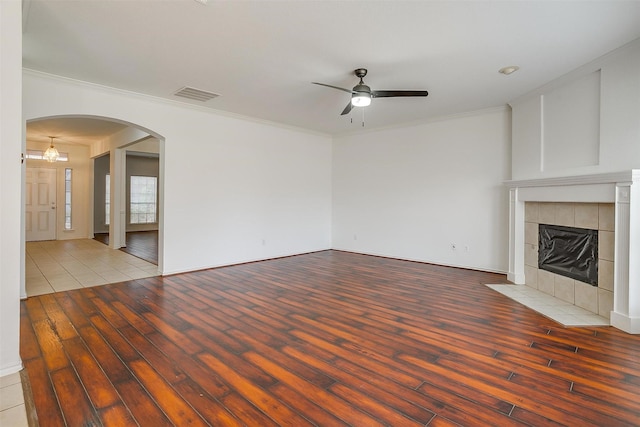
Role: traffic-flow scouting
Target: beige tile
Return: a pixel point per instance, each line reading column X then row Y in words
column 66, row 285
column 37, row 281
column 51, row 268
column 11, row 396
column 606, row 216
column 101, row 267
column 10, row 379
column 58, row 277
column 565, row 214
column 141, row 263
column 606, row 242
column 72, row 264
column 531, row 211
column 605, row 274
column 547, row 213
column 139, row 274
column 14, row 417
column 586, row 296
column 605, row 303
column 531, row 276
column 91, row 280
column 530, row 255
column 114, row 276
column 563, row 288
column 546, row 282
column 586, row 215
column 32, row 272
column 35, row 290
column 531, row 233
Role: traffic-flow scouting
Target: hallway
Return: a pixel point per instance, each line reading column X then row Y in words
column 62, row 265
column 142, row 244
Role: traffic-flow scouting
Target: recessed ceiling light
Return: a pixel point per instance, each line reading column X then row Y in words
column 508, row 70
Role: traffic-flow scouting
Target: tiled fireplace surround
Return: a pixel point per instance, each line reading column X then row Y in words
column 594, row 216
column 608, row 202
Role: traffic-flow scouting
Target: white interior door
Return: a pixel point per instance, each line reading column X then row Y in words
column 40, row 212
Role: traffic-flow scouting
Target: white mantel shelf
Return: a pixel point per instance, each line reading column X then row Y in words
column 622, row 189
column 603, row 178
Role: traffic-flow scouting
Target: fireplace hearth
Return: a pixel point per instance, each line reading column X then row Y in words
column 572, row 201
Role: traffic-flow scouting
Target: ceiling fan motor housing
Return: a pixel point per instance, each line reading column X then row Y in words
column 360, row 88
column 361, row 96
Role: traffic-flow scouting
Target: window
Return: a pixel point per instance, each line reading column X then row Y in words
column 67, row 198
column 37, row 155
column 107, row 199
column 144, row 191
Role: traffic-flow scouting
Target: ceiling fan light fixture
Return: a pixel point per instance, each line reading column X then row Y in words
column 361, row 99
column 51, row 155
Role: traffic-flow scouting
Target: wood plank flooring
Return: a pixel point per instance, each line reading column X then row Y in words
column 141, row 244
column 326, row 339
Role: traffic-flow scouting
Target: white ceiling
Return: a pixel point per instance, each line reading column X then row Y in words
column 71, row 130
column 261, row 56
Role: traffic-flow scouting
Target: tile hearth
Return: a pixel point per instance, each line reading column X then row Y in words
column 561, row 311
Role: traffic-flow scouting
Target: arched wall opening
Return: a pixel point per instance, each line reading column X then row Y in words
column 234, row 189
column 85, row 138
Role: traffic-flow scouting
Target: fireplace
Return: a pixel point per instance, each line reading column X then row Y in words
column 596, row 217
column 608, row 203
column 569, row 251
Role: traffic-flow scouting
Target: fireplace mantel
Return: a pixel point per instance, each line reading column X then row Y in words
column 622, row 189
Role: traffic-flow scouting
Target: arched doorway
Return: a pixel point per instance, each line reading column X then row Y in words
column 86, row 138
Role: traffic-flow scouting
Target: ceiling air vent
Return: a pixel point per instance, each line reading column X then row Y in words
column 196, row 94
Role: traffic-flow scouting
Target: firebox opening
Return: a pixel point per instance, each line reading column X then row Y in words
column 569, row 251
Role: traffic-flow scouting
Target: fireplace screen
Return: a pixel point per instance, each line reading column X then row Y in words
column 569, row 251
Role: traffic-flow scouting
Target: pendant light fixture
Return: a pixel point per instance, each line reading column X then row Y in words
column 51, row 155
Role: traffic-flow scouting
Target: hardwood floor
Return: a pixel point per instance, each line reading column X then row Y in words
column 327, row 339
column 141, row 244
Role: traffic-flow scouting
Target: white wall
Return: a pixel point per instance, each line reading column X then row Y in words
column 11, row 145
column 81, row 182
column 595, row 130
column 235, row 190
column 411, row 192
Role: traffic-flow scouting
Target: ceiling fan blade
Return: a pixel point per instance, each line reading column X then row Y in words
column 334, row 87
column 394, row 93
column 347, row 109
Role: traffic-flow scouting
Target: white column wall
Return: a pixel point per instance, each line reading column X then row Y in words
column 626, row 292
column 11, row 145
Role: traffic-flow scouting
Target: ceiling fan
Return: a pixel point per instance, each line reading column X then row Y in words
column 361, row 94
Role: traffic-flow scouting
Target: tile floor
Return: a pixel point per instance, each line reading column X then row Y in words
column 12, row 408
column 553, row 308
column 62, row 265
